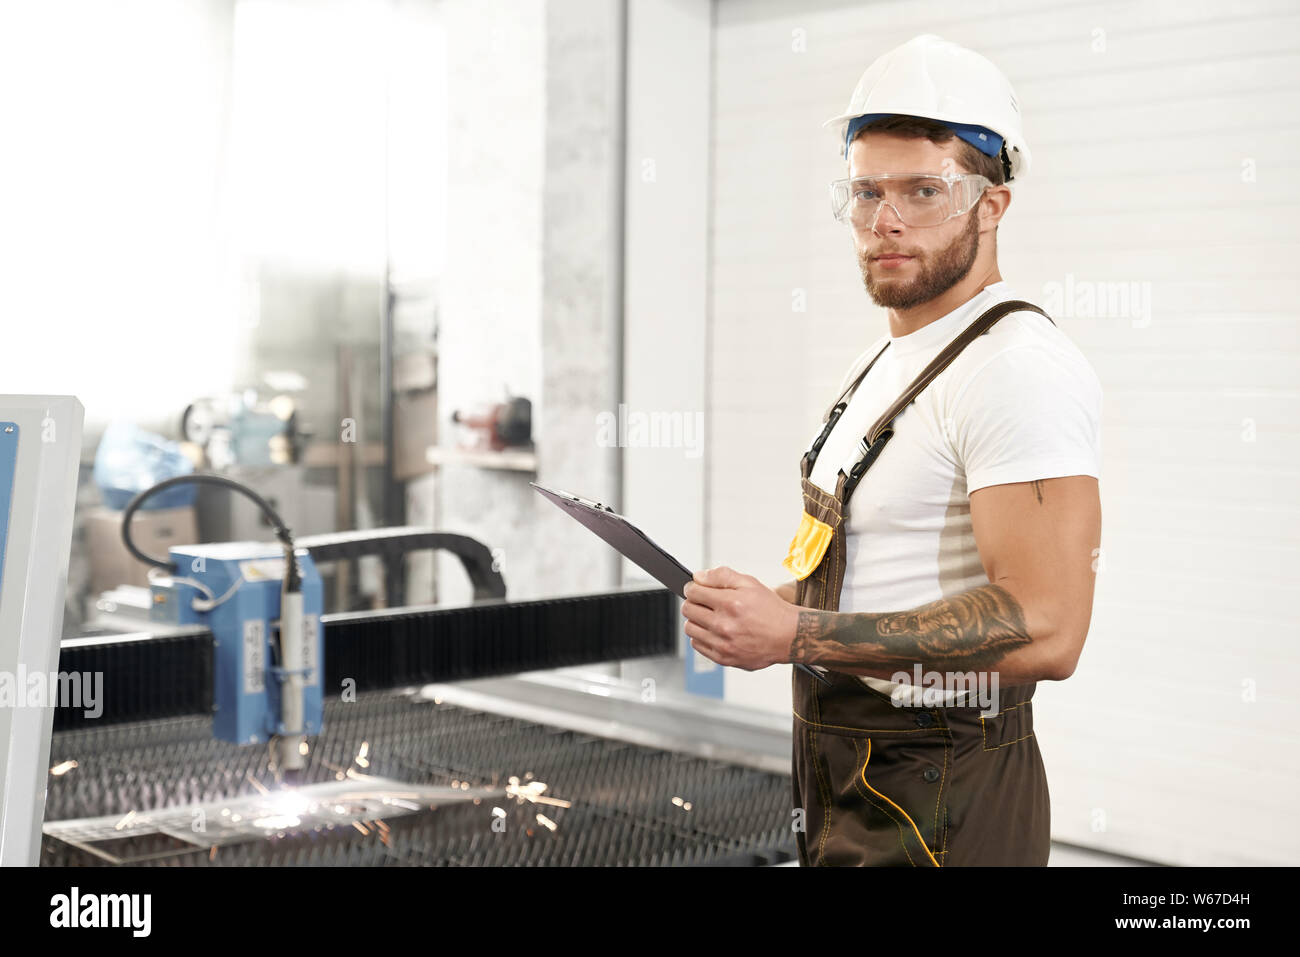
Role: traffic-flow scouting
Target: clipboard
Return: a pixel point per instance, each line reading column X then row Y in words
column 633, row 544
column 625, row 537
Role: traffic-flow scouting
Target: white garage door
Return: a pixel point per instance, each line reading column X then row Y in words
column 1164, row 192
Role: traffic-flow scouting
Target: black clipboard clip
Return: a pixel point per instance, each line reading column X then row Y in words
column 634, row 545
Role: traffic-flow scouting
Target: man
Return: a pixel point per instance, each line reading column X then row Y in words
column 950, row 529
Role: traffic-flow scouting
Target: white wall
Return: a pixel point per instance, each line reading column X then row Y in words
column 665, row 337
column 168, row 156
column 529, row 295
column 1173, row 739
column 113, row 116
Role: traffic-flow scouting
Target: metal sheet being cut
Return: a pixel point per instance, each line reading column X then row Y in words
column 488, row 790
column 352, row 803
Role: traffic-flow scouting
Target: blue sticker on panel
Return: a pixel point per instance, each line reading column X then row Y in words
column 8, row 462
column 703, row 677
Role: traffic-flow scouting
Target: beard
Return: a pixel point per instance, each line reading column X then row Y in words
column 938, row 272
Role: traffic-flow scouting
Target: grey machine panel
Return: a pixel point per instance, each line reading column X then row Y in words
column 40, row 448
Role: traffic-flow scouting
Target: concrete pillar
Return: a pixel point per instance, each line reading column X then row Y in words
column 531, row 297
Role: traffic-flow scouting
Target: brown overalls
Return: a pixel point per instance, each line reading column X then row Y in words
column 885, row 785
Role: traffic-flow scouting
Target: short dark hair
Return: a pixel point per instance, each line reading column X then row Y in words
column 916, row 127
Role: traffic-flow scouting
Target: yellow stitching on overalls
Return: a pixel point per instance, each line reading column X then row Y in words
column 831, row 504
column 819, row 574
column 857, row 753
column 984, row 743
column 833, row 573
column 836, row 583
column 944, row 849
column 821, row 497
column 947, row 750
column 824, row 499
column 810, row 582
column 841, row 563
column 823, row 784
column 942, row 777
column 1009, row 743
column 1010, row 708
column 820, row 508
column 842, row 555
column 841, row 727
column 844, row 562
column 823, row 793
column 943, row 844
column 817, row 491
column 900, row 810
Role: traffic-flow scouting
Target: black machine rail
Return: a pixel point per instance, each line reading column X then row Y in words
column 170, row 675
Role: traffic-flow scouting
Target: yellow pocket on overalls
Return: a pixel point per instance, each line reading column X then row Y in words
column 808, row 546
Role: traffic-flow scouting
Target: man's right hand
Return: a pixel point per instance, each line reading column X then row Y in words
column 787, row 591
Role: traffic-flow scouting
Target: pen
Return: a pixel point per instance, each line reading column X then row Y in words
column 816, row 674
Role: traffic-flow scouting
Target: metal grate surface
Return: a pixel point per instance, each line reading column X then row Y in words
column 604, row 802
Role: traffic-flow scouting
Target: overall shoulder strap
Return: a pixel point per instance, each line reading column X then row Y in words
column 950, row 352
column 853, row 386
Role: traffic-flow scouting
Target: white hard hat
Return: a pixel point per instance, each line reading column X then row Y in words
column 938, row 80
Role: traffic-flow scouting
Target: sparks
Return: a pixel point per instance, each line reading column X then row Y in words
column 532, row 792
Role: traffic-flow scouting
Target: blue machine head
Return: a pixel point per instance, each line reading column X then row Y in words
column 242, row 609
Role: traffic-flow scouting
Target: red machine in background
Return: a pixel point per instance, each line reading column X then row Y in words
column 504, row 425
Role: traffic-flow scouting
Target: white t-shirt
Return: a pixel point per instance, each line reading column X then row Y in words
column 1020, row 403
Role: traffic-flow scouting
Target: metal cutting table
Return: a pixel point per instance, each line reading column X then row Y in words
column 446, row 755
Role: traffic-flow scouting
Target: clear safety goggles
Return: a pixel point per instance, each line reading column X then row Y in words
column 917, row 199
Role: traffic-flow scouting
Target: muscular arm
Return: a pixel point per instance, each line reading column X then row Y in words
column 1038, row 542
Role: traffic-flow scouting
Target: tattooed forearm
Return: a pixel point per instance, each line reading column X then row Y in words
column 1038, row 491
column 973, row 630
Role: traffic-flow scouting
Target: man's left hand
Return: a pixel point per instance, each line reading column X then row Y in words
column 738, row 621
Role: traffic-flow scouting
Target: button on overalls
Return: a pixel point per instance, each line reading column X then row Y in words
column 909, row 786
